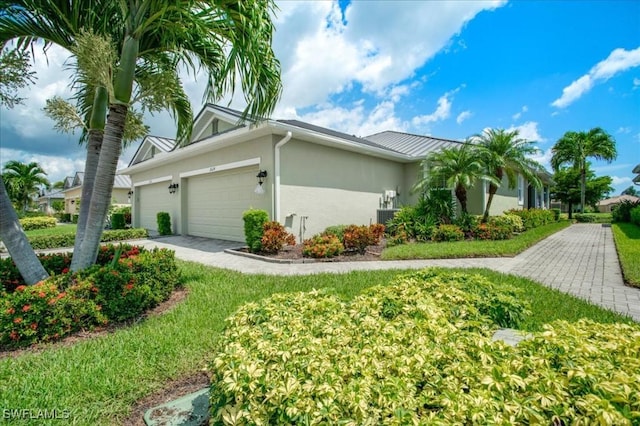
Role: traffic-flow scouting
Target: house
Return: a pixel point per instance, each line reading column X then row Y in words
column 605, row 206
column 72, row 191
column 636, row 170
column 46, row 198
column 307, row 177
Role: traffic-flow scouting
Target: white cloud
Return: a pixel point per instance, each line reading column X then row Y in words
column 618, row 61
column 636, row 83
column 56, row 167
column 543, row 157
column 528, row 131
column 442, row 112
column 517, row 115
column 604, row 169
column 616, row 180
column 624, row 130
column 463, row 116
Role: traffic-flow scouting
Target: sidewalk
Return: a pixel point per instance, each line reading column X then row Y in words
column 580, row 260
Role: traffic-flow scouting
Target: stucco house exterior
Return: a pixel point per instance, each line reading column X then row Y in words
column 72, row 191
column 46, row 199
column 605, row 206
column 312, row 177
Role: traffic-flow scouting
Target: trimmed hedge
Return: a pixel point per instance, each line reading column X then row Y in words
column 111, row 291
column 532, row 218
column 254, row 221
column 117, row 221
column 40, row 222
column 67, row 240
column 419, row 352
column 164, row 223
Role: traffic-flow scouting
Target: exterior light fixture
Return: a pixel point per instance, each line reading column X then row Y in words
column 261, row 176
column 129, row 194
column 173, row 188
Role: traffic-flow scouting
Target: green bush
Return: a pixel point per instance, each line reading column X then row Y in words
column 493, row 231
column 67, row 240
column 126, row 211
column 447, row 233
column 66, row 217
column 511, row 221
column 30, row 214
column 40, row 222
column 532, row 218
column 412, row 222
column 322, row 245
column 419, row 352
column 74, row 218
column 622, row 212
column 468, row 224
column 164, row 223
column 584, row 217
column 556, row 214
column 117, row 221
column 337, row 230
column 254, row 220
column 275, row 237
column 635, row 215
column 65, row 302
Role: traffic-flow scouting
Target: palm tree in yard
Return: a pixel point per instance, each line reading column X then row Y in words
column 226, row 41
column 504, row 153
column 575, row 147
column 458, row 168
column 23, row 181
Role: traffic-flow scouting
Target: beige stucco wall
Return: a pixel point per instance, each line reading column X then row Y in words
column 71, row 198
column 259, row 148
column 120, row 196
column 332, row 186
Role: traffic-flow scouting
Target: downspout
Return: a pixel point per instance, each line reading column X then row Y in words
column 276, row 189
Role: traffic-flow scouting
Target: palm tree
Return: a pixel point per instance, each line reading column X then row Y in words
column 23, row 181
column 575, row 147
column 458, row 168
column 228, row 41
column 503, row 153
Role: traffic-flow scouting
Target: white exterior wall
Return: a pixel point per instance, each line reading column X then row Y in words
column 328, row 186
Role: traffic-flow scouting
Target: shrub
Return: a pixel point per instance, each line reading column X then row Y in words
column 491, row 231
column 622, row 211
column 422, row 343
column 635, row 215
column 532, row 218
column 468, row 224
column 556, row 214
column 126, row 211
column 584, row 218
column 254, row 221
column 117, row 221
column 74, row 218
column 108, row 291
column 66, row 217
column 274, row 237
column 164, row 223
column 322, row 246
column 67, row 240
column 358, row 238
column 377, row 230
column 414, row 222
column 40, row 222
column 337, row 230
column 512, row 222
column 447, row 233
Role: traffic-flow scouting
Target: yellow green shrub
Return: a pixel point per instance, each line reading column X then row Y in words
column 40, row 222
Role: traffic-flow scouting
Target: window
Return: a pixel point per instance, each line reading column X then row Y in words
column 520, row 190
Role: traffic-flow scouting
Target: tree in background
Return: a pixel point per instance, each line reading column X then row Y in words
column 504, row 153
column 631, row 191
column 458, row 168
column 574, row 148
column 567, row 189
column 23, row 182
column 14, row 75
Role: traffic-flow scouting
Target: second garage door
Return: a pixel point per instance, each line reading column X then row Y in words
column 216, row 202
column 151, row 200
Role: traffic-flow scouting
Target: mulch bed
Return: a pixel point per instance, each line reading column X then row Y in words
column 295, row 253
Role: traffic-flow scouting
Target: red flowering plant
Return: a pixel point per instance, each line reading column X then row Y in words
column 43, row 312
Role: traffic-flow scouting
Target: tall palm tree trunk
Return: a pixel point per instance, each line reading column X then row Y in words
column 583, row 188
column 17, row 243
column 492, row 191
column 103, row 185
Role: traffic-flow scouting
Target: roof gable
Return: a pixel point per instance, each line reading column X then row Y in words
column 152, row 146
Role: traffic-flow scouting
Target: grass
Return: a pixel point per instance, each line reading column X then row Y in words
column 99, row 379
column 58, row 230
column 461, row 249
column 627, row 238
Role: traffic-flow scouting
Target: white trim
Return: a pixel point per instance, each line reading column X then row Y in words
column 152, row 181
column 521, row 189
column 221, row 167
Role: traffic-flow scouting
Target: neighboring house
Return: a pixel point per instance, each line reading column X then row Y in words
column 46, row 199
column 312, row 177
column 636, row 170
column 605, row 206
column 72, row 191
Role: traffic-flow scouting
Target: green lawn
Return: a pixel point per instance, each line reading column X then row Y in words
column 458, row 249
column 627, row 238
column 99, row 380
column 67, row 228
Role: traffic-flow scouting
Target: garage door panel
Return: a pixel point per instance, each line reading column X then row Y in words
column 151, row 200
column 217, row 201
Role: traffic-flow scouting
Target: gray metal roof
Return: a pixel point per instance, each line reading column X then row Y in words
column 122, row 181
column 334, row 133
column 164, row 144
column 413, row 145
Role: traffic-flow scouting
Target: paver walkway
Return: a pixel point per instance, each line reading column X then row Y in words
column 579, row 260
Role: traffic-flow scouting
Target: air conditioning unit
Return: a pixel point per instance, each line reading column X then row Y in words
column 385, row 215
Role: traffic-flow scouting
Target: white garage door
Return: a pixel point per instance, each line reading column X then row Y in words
column 216, row 202
column 151, row 200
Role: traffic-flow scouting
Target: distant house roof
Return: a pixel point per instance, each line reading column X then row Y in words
column 68, row 182
column 636, row 179
column 54, row 193
column 618, row 200
column 121, row 181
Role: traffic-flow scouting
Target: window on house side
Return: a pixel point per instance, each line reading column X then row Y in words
column 520, row 190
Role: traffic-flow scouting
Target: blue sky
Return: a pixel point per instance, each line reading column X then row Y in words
column 444, row 68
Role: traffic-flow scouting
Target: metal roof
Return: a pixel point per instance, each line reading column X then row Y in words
column 164, row 144
column 412, row 145
column 122, row 181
